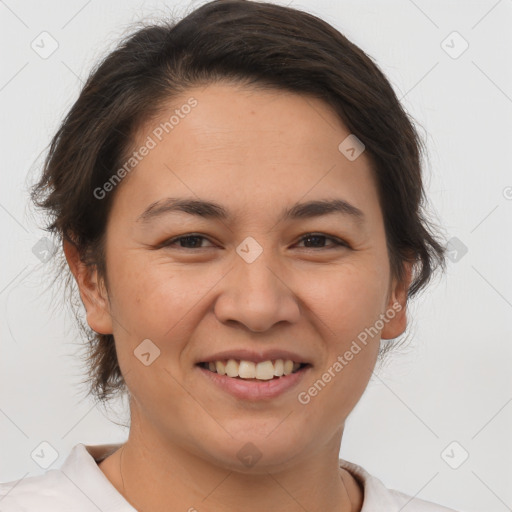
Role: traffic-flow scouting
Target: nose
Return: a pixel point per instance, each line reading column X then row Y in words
column 257, row 295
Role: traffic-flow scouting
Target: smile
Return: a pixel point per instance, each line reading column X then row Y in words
column 264, row 370
column 252, row 381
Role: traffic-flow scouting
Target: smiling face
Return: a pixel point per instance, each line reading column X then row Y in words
column 245, row 281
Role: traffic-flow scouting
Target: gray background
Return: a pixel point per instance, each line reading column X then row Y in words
column 451, row 383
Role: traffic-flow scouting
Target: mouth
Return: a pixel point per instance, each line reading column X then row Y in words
column 241, row 369
column 260, row 380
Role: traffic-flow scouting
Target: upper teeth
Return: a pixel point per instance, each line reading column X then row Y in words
column 265, row 370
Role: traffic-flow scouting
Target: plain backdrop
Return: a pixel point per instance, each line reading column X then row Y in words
column 436, row 421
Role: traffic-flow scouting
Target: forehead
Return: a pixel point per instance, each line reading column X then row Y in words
column 248, row 148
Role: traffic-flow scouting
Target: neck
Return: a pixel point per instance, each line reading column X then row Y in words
column 155, row 475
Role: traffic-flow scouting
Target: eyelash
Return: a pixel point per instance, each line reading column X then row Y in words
column 337, row 241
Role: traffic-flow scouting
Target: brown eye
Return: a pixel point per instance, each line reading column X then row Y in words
column 317, row 241
column 190, row 241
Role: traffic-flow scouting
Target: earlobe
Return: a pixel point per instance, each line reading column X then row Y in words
column 93, row 294
column 396, row 309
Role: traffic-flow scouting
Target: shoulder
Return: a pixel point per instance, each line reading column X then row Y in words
column 415, row 504
column 78, row 485
column 51, row 491
column 378, row 498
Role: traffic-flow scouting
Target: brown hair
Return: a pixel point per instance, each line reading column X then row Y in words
column 248, row 42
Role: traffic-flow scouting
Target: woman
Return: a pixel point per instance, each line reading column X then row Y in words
column 239, row 198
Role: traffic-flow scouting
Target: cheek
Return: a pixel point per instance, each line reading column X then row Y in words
column 348, row 298
column 144, row 290
column 349, row 302
column 157, row 301
column 151, row 296
column 349, row 306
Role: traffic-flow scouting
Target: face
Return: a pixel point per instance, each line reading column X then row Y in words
column 256, row 276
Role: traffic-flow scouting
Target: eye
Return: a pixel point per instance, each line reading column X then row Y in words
column 190, row 241
column 317, row 238
column 194, row 241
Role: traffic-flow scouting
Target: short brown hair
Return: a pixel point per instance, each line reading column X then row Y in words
column 246, row 42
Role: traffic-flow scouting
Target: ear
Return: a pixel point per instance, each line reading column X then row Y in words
column 397, row 304
column 92, row 292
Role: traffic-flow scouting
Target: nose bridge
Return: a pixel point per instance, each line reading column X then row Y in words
column 255, row 293
column 253, row 269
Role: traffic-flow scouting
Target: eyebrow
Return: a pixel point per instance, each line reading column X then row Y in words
column 212, row 210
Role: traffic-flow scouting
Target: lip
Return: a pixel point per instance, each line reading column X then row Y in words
column 254, row 356
column 255, row 390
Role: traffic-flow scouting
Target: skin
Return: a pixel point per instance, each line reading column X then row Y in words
column 255, row 152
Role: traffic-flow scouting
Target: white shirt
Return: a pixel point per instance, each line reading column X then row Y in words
column 80, row 486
